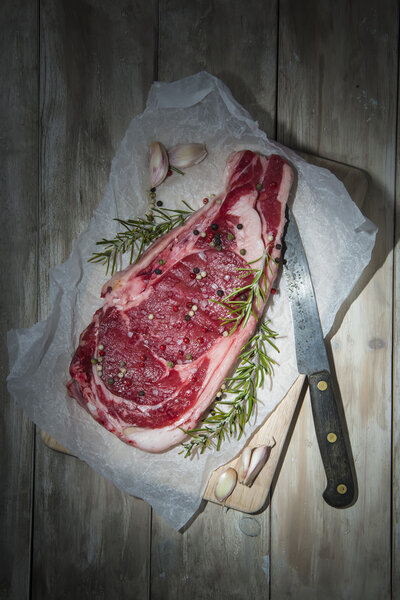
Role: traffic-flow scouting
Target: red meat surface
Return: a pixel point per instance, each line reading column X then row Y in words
column 159, row 337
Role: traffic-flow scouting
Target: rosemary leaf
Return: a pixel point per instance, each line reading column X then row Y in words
column 137, row 234
column 230, row 415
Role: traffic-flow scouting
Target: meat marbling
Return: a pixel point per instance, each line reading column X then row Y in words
column 158, row 337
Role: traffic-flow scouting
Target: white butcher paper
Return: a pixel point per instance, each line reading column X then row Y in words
column 338, row 240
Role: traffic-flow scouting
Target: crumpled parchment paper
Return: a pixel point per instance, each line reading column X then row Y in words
column 337, row 238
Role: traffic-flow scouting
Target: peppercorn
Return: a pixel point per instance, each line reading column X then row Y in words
column 242, row 251
column 220, row 292
column 214, row 226
column 278, row 246
column 239, row 226
column 140, row 393
column 158, row 271
column 196, row 270
column 187, row 317
column 110, row 380
column 159, row 203
column 196, row 232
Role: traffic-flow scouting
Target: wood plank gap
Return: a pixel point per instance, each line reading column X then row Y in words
column 38, row 187
column 157, row 41
column 149, row 554
column 278, row 4
column 32, row 523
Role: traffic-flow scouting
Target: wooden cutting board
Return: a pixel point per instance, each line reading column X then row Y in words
column 278, row 425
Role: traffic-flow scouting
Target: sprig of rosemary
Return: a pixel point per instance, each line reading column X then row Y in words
column 228, row 417
column 137, row 235
column 246, row 296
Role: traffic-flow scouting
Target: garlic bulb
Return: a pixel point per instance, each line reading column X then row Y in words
column 244, row 463
column 226, row 484
column 259, row 457
column 158, row 164
column 183, row 156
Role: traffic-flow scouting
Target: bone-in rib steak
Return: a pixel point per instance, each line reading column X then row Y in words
column 156, row 353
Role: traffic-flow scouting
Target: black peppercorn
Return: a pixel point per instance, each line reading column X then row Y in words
column 158, row 271
column 214, row 226
column 239, row 226
column 220, row 292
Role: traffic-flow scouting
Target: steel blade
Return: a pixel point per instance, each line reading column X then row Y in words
column 310, row 347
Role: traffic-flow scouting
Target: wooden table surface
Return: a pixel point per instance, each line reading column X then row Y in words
column 320, row 77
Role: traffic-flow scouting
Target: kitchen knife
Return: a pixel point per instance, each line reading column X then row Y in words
column 312, row 360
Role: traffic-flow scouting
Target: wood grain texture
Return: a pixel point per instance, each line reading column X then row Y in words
column 342, row 65
column 90, row 540
column 234, row 41
column 223, row 554
column 18, row 222
column 396, row 383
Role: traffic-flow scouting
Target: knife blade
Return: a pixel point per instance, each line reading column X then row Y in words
column 312, row 360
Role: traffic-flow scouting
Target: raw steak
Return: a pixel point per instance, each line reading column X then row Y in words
column 159, row 337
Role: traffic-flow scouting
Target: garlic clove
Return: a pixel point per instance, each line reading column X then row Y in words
column 158, row 164
column 183, row 156
column 244, row 463
column 225, row 485
column 259, row 457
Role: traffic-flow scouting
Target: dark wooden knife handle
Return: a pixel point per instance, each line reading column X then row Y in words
column 331, row 431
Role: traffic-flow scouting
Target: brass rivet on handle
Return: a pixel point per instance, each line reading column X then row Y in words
column 331, row 437
column 322, row 385
column 341, row 488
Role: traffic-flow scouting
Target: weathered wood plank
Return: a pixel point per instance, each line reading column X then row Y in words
column 396, row 382
column 337, row 93
column 90, row 539
column 234, row 41
column 18, row 218
column 222, row 554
